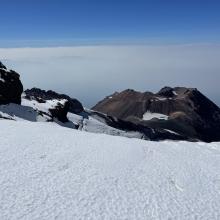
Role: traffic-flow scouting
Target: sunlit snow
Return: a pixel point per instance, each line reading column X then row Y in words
column 150, row 115
column 51, row 172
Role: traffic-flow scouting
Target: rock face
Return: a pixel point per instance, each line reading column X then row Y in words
column 11, row 87
column 60, row 111
column 185, row 111
column 41, row 96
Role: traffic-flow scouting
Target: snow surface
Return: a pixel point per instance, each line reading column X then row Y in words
column 159, row 99
column 1, row 79
column 31, row 110
column 44, row 107
column 92, row 124
column 21, row 113
column 173, row 132
column 150, row 115
column 51, row 172
column 175, row 93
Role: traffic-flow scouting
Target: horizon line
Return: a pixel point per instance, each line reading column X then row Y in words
column 113, row 44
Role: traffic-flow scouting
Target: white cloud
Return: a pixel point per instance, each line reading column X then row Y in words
column 92, row 72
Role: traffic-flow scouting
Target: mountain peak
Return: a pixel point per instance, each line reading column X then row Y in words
column 183, row 110
column 2, row 66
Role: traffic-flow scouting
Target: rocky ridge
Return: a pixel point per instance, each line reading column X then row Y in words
column 185, row 111
column 172, row 113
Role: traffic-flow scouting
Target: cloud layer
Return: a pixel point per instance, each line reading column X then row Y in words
column 89, row 73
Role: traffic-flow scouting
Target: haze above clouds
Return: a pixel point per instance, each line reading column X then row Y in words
column 90, row 73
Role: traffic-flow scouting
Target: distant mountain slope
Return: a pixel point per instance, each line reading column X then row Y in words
column 185, row 111
column 50, row 172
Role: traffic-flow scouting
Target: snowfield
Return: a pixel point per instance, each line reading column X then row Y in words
column 51, row 172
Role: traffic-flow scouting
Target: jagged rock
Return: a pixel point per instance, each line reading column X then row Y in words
column 2, row 66
column 11, row 87
column 186, row 111
column 41, row 95
column 60, row 111
column 167, row 92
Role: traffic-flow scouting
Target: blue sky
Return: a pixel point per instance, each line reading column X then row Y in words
column 67, row 22
column 90, row 48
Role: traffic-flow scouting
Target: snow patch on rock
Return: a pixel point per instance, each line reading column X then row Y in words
column 150, row 115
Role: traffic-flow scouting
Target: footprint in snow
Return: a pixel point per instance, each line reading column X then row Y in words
column 43, row 156
column 63, row 167
column 173, row 182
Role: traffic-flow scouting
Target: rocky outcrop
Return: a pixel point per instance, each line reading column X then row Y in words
column 60, row 111
column 186, row 111
column 11, row 87
column 41, row 96
column 148, row 133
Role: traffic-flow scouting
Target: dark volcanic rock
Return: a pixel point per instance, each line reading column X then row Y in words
column 2, row 66
column 147, row 132
column 189, row 112
column 10, row 86
column 41, row 95
column 60, row 111
column 167, row 92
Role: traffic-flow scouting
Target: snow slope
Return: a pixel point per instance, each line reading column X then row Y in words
column 43, row 107
column 91, row 124
column 32, row 110
column 51, row 172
